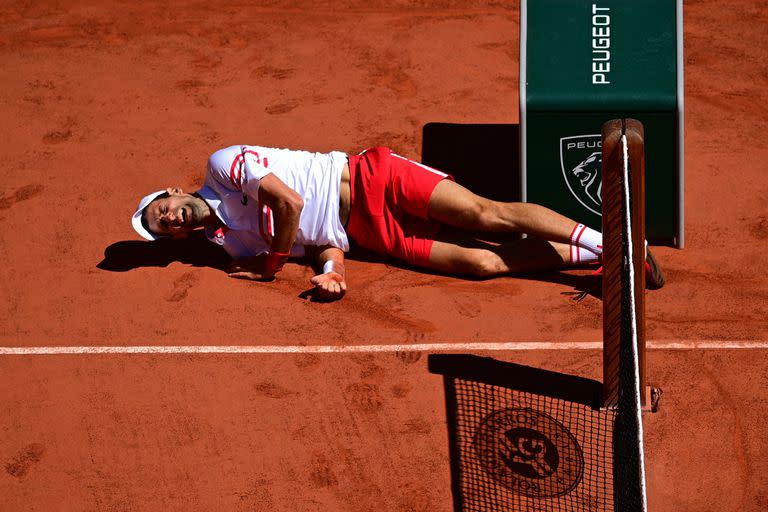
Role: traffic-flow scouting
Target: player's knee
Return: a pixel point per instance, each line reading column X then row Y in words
column 483, row 264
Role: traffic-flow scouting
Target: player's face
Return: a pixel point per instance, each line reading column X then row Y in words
column 177, row 214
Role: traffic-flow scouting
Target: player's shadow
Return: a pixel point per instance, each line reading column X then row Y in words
column 195, row 250
column 582, row 284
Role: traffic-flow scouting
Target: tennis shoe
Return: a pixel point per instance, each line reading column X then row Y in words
column 654, row 276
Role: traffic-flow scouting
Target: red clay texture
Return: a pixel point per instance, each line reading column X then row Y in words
column 103, row 103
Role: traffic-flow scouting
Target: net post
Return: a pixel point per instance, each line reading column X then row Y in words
column 612, row 219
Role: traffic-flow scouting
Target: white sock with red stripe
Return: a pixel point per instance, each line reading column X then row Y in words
column 580, row 255
column 587, row 238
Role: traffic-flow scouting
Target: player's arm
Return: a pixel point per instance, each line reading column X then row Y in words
column 286, row 207
column 330, row 284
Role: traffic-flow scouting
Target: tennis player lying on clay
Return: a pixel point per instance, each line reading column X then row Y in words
column 265, row 205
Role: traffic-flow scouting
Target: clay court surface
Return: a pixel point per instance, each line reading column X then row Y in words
column 104, row 103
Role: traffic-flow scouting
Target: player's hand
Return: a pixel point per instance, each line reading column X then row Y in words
column 251, row 269
column 330, row 286
column 251, row 276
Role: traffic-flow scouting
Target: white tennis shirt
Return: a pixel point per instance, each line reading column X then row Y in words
column 232, row 191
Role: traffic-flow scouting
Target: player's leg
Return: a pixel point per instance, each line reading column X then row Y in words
column 455, row 205
column 465, row 256
column 426, row 193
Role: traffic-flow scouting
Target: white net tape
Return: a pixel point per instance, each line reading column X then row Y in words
column 633, row 316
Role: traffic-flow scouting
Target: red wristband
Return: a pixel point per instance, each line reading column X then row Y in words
column 275, row 261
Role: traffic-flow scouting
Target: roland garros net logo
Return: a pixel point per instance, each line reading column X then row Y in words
column 581, row 161
column 529, row 452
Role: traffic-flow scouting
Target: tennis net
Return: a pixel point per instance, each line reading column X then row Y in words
column 527, row 439
column 624, row 304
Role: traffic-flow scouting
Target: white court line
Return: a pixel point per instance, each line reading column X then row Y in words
column 344, row 349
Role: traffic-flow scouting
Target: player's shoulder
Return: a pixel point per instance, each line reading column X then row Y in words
column 223, row 158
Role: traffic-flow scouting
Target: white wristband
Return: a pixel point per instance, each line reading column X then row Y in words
column 328, row 267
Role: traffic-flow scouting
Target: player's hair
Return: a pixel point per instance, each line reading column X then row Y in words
column 144, row 211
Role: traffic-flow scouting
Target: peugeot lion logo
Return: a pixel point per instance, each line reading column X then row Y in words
column 581, row 160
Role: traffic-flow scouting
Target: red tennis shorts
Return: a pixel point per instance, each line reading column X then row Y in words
column 390, row 200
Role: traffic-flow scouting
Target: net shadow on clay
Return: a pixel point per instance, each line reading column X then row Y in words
column 523, row 438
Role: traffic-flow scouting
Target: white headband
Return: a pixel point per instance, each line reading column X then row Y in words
column 136, row 219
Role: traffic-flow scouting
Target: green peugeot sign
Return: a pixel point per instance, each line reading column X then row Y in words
column 581, row 64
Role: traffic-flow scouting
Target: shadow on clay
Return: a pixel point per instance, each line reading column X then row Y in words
column 583, row 285
column 485, row 158
column 194, row 250
column 509, row 429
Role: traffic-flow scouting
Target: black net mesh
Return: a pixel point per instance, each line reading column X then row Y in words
column 527, row 439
